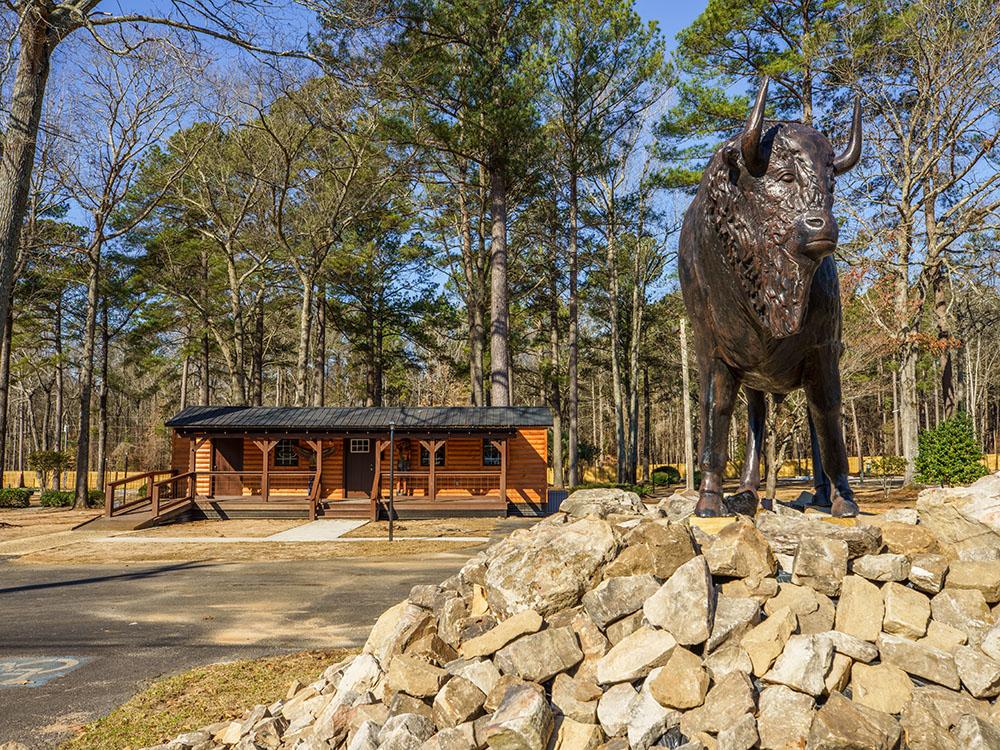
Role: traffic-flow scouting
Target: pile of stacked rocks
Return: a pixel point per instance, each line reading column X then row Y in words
column 613, row 625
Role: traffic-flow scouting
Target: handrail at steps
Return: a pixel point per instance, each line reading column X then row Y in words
column 110, row 487
column 160, row 504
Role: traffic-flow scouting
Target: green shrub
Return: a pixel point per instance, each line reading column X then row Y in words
column 56, row 499
column 949, row 453
column 95, row 499
column 666, row 475
column 14, row 497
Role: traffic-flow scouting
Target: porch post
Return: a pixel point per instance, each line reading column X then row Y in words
column 431, row 446
column 317, row 445
column 503, row 470
column 266, row 446
column 376, row 482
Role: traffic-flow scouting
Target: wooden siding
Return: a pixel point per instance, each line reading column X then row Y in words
column 180, row 453
column 203, row 463
column 527, row 458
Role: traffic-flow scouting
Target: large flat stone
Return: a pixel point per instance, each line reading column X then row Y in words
column 764, row 643
column 522, row 721
column 784, row 718
column 918, row 660
column 860, row 610
column 682, row 683
column 601, row 502
column 635, row 656
column 803, row 664
column 740, row 551
column 541, row 656
column 820, row 564
column 733, row 618
column 979, row 673
column 547, row 568
column 494, row 639
column 964, row 519
column 685, row 605
column 841, row 724
column 785, row 532
column 727, row 701
column 884, row 687
column 884, row 567
column 965, row 610
column 978, row 575
column 907, row 612
column 614, row 598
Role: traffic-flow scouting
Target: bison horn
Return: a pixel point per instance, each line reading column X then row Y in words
column 750, row 142
column 852, row 153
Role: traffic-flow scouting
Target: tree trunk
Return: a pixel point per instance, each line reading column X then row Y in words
column 573, row 394
column 102, row 401
column 319, row 356
column 185, row 368
column 555, row 398
column 60, row 415
column 908, row 414
column 686, row 399
column 858, row 445
column 499, row 307
column 614, row 349
column 647, row 427
column 474, row 294
column 206, row 384
column 87, row 375
column 38, row 37
column 5, row 344
column 305, row 338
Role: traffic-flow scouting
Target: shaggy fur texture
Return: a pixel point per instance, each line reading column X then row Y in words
column 760, row 237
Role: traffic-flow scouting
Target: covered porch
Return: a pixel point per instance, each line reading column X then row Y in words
column 344, row 463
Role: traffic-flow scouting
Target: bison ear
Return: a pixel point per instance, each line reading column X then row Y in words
column 852, row 153
column 732, row 156
column 754, row 158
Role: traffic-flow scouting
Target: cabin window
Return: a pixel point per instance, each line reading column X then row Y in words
column 491, row 454
column 425, row 456
column 286, row 453
column 360, row 445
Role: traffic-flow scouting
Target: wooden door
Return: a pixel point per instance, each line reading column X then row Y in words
column 227, row 455
column 359, row 466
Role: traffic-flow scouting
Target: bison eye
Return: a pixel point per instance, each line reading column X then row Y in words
column 787, row 177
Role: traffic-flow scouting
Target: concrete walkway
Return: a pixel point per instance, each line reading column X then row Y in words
column 317, row 531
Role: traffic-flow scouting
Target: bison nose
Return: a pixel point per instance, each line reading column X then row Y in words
column 819, row 235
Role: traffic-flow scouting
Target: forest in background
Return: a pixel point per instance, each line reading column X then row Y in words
column 446, row 202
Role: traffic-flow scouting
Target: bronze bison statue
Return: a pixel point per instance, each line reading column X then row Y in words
column 760, row 286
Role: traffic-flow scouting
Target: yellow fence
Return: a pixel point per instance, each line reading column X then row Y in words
column 31, row 478
column 789, row 469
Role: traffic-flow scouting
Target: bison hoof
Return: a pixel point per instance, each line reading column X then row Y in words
column 709, row 506
column 843, row 508
column 743, row 503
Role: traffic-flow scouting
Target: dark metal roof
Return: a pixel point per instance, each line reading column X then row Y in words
column 320, row 418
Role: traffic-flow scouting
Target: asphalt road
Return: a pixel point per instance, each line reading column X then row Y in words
column 130, row 625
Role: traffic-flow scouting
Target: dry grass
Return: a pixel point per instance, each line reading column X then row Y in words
column 252, row 527
column 200, row 696
column 428, row 527
column 21, row 523
column 108, row 553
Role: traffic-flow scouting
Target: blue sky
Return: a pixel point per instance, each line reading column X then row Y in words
column 672, row 15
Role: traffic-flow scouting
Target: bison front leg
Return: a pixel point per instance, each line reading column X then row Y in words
column 747, row 496
column 823, row 393
column 718, row 396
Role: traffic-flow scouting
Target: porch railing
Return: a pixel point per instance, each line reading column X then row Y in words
column 418, row 483
column 132, row 492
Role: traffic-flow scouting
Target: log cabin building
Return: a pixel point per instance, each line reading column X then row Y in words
column 231, row 461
